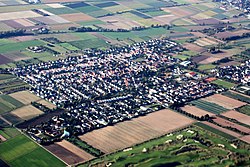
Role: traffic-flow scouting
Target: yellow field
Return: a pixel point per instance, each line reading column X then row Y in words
column 47, row 104
column 25, row 97
column 27, row 112
column 18, row 15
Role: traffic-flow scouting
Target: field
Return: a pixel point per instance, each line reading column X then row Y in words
column 8, row 103
column 47, row 104
column 224, row 84
column 175, row 149
column 75, row 150
column 27, row 112
column 238, row 116
column 195, row 111
column 224, row 101
column 64, row 154
column 245, row 109
column 238, row 96
column 25, row 97
column 230, row 135
column 21, row 151
column 226, row 123
column 210, row 107
column 138, row 130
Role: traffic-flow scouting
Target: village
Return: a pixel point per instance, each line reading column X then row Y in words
column 102, row 88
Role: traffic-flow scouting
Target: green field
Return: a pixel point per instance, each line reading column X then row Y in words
column 21, row 151
column 19, row 46
column 245, row 109
column 215, row 131
column 58, row 11
column 237, row 96
column 206, row 66
column 190, row 150
column 8, row 103
column 68, row 46
column 223, row 83
column 210, row 107
column 89, row 43
column 6, row 76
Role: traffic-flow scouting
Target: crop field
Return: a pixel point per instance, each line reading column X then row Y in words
column 243, row 118
column 230, row 135
column 21, row 151
column 25, row 97
column 210, row 107
column 196, row 111
column 89, row 43
column 132, row 132
column 13, row 119
column 238, row 96
column 224, row 101
column 223, row 83
column 47, row 104
column 245, row 109
column 169, row 150
column 64, row 154
column 226, row 123
column 19, row 46
column 8, row 103
column 205, row 42
column 76, row 150
column 27, row 112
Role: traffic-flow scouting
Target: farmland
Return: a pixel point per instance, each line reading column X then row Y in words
column 163, row 149
column 124, row 83
column 20, row 150
column 208, row 106
column 225, row 101
column 143, row 128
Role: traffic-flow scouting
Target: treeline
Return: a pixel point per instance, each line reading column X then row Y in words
column 41, row 107
column 100, row 29
column 86, row 147
column 18, row 32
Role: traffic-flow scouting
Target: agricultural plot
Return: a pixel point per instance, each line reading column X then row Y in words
column 21, row 151
column 205, row 42
column 243, row 118
column 245, row 109
column 75, row 150
column 89, row 43
column 19, row 46
column 47, row 104
column 140, row 129
column 196, row 111
column 64, row 154
column 225, row 123
column 210, row 107
column 25, row 97
column 238, row 96
column 224, row 101
column 18, row 15
column 230, row 135
column 224, row 84
column 175, row 150
column 8, row 103
column 12, row 119
column 27, row 112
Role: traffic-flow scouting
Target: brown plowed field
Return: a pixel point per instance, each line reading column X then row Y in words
column 225, row 101
column 196, row 111
column 64, row 154
column 25, row 97
column 243, row 118
column 138, row 130
column 226, row 123
column 76, row 150
column 223, row 129
column 77, row 17
column 246, row 139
